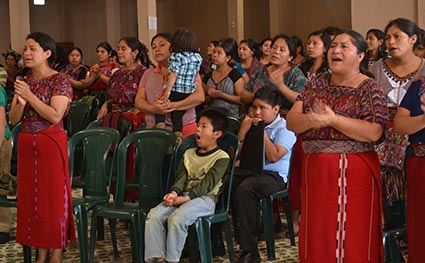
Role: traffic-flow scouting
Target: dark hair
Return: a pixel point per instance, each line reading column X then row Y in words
column 288, row 40
column 298, row 43
column 252, row 45
column 421, row 39
column 105, row 45
column 233, row 44
column 184, row 40
column 360, row 43
column 262, row 43
column 165, row 35
column 407, row 27
column 268, row 94
column 142, row 54
column 228, row 50
column 47, row 43
column 308, row 63
column 380, row 36
column 78, row 49
column 12, row 53
column 331, row 30
column 218, row 119
column 214, row 42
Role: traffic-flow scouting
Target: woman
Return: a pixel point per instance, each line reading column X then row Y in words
column 420, row 50
column 317, row 46
column 300, row 57
column 44, row 216
column 409, row 120
column 151, row 88
column 265, row 49
column 206, row 63
column 394, row 75
column 341, row 115
column 280, row 68
column 248, row 53
column 225, row 83
column 101, row 72
column 375, row 49
column 12, row 68
column 76, row 72
column 122, row 87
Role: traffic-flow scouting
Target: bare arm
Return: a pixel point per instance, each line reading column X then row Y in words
column 17, row 109
column 238, row 87
column 193, row 100
column 246, row 97
column 171, row 80
column 406, row 124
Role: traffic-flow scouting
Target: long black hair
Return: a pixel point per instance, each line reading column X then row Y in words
column 308, row 63
column 407, row 27
column 142, row 55
column 47, row 43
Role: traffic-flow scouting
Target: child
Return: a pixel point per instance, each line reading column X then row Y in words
column 195, row 192
column 250, row 186
column 183, row 65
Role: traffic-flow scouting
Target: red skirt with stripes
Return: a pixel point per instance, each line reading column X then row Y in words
column 45, row 216
column 342, row 208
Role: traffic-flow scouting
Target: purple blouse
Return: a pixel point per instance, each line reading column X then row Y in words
column 45, row 89
column 366, row 102
column 122, row 88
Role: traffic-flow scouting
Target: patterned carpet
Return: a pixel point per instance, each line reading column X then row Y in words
column 12, row 252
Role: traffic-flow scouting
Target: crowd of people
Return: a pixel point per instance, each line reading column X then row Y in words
column 350, row 109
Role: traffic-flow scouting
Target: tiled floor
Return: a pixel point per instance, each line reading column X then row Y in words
column 12, row 252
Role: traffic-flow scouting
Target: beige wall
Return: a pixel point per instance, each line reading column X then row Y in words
column 257, row 19
column 364, row 13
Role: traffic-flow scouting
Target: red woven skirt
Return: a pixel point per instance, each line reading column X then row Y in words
column 341, row 200
column 44, row 215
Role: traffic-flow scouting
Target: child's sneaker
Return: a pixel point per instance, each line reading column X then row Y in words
column 160, row 125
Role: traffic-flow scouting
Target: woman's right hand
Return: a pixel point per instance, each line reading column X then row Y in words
column 103, row 111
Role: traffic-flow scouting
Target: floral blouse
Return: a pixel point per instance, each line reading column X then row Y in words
column 366, row 102
column 122, row 88
column 45, row 89
column 294, row 79
column 76, row 73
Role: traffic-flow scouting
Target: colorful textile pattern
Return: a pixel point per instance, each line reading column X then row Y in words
column 44, row 89
column 366, row 102
column 122, row 88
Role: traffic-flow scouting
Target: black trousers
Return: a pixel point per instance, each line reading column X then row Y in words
column 248, row 188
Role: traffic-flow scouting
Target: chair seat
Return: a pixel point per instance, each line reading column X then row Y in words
column 89, row 202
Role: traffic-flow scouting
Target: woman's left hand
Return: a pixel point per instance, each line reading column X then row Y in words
column 276, row 77
column 321, row 115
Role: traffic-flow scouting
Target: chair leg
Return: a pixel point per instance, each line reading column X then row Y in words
column 267, row 212
column 27, row 254
column 289, row 220
column 229, row 241
column 112, row 225
column 93, row 236
column 391, row 250
column 203, row 230
column 80, row 213
column 101, row 230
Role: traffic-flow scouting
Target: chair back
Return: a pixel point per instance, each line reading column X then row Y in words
column 94, row 105
column 229, row 143
column 151, row 147
column 95, row 144
column 77, row 118
column 234, row 125
column 14, row 161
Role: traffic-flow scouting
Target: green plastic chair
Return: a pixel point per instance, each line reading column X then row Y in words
column 77, row 118
column 95, row 144
column 267, row 215
column 229, row 143
column 234, row 125
column 94, row 105
column 391, row 245
column 151, row 148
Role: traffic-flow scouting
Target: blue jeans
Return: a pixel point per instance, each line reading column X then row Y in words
column 160, row 243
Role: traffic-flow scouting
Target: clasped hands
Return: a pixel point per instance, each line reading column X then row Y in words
column 22, row 90
column 321, row 115
column 172, row 199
